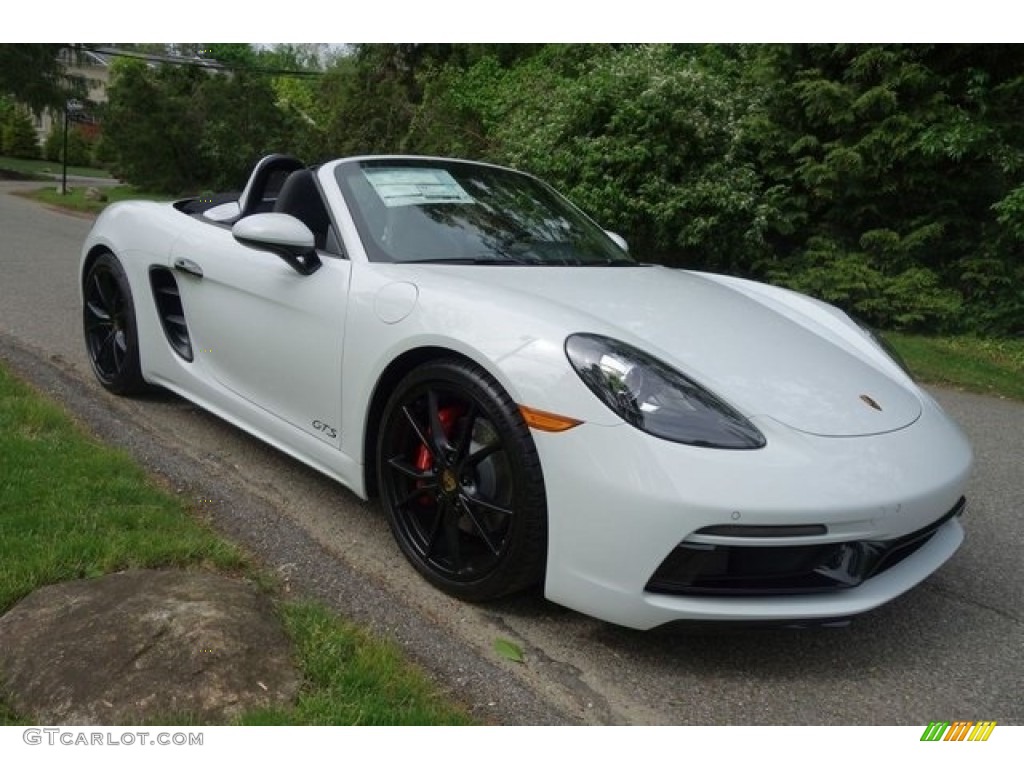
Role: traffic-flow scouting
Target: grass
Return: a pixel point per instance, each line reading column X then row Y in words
column 9, row 717
column 988, row 366
column 352, row 678
column 72, row 508
column 40, row 167
column 75, row 200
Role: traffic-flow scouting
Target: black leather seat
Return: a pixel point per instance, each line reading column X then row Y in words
column 301, row 198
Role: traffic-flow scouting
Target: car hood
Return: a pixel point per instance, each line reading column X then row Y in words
column 769, row 353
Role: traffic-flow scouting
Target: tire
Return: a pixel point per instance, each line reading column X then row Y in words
column 111, row 334
column 461, row 483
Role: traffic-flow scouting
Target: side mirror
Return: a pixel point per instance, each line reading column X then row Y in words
column 281, row 234
column 618, row 239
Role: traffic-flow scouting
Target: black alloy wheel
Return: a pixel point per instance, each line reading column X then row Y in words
column 111, row 336
column 461, row 482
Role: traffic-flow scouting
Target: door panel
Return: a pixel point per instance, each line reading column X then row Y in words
column 263, row 331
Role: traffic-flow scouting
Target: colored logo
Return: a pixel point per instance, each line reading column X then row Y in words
column 961, row 730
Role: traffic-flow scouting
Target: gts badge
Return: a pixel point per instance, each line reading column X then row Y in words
column 326, row 429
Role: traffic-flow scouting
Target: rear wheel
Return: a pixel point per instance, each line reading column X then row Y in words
column 111, row 335
column 461, row 482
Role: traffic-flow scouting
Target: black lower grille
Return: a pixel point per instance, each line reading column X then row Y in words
column 743, row 570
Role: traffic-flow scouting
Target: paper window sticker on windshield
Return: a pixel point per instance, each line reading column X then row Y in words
column 415, row 186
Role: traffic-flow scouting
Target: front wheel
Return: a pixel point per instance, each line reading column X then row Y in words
column 461, row 482
column 111, row 335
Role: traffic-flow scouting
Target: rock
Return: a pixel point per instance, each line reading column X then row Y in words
column 95, row 193
column 144, row 644
column 61, row 191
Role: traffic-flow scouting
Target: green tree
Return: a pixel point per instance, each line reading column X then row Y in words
column 33, row 74
column 180, row 128
column 898, row 157
column 19, row 135
column 372, row 95
column 645, row 138
column 152, row 126
column 6, row 110
column 241, row 123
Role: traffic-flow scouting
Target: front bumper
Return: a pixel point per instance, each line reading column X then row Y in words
column 621, row 502
column 740, row 565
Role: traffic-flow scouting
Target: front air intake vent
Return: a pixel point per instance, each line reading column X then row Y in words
column 169, row 308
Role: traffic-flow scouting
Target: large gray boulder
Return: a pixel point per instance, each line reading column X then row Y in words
column 144, row 644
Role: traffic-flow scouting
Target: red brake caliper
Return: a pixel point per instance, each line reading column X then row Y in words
column 447, row 416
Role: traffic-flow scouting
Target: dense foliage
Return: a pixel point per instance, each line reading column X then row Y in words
column 33, row 75
column 886, row 178
column 901, row 169
column 79, row 145
column 17, row 132
column 176, row 128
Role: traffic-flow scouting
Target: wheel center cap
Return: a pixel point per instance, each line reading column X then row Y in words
column 448, row 481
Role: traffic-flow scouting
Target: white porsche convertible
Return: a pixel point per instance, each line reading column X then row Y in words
column 531, row 405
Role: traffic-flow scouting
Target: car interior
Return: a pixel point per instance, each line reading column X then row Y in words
column 278, row 184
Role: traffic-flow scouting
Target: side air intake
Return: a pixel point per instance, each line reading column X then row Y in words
column 172, row 316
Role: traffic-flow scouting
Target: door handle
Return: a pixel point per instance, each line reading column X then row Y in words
column 188, row 266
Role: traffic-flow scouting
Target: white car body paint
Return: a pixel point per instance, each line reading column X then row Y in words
column 277, row 353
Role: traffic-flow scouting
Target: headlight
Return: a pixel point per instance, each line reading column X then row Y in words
column 656, row 398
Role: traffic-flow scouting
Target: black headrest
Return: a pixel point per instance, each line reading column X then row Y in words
column 300, row 197
column 256, row 190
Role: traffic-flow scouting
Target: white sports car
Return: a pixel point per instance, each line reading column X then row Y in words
column 531, row 404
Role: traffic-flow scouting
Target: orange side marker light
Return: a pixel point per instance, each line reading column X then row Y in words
column 546, row 421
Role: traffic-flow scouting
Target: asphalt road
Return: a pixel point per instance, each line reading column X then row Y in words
column 951, row 649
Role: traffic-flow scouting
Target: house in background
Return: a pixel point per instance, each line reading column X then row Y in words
column 94, row 69
column 92, row 65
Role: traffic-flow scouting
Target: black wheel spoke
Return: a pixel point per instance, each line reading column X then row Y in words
column 437, row 434
column 420, row 435
column 466, row 437
column 119, row 349
column 407, row 469
column 480, row 454
column 415, row 493
column 486, row 506
column 435, row 532
column 106, row 351
column 98, row 329
column 99, row 314
column 480, row 527
column 451, row 537
column 102, row 294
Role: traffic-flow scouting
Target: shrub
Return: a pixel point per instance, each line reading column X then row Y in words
column 79, row 147
column 908, row 299
column 20, row 135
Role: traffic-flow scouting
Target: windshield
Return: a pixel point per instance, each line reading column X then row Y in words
column 413, row 210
